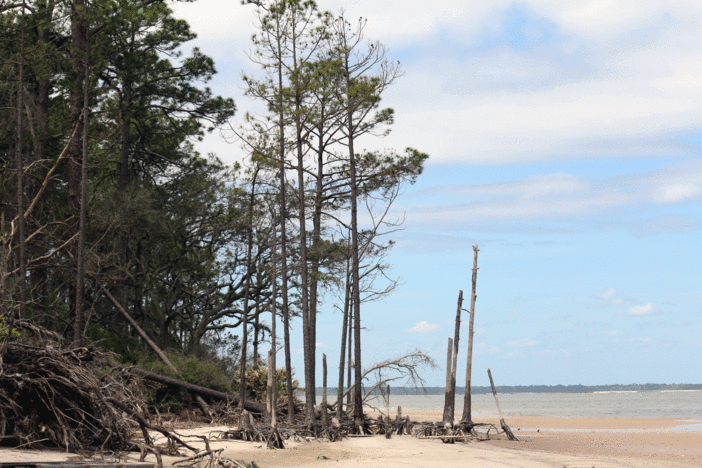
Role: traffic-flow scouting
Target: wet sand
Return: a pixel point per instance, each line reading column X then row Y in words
column 544, row 442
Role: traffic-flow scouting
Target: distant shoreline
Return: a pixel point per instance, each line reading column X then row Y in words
column 539, row 389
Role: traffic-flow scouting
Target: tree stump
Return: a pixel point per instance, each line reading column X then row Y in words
column 246, row 425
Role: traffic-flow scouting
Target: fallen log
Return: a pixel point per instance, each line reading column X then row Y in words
column 504, row 425
column 197, row 389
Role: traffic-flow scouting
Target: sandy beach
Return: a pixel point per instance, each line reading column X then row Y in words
column 544, row 442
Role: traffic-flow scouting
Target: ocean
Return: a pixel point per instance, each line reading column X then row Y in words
column 685, row 404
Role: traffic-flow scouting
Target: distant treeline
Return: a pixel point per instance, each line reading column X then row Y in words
column 537, row 389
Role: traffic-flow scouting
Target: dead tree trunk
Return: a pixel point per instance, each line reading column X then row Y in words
column 503, row 424
column 139, row 330
column 325, row 415
column 448, row 417
column 466, row 417
column 452, row 395
column 197, row 389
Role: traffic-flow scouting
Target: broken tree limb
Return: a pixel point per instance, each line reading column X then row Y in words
column 503, row 424
column 197, row 389
column 144, row 424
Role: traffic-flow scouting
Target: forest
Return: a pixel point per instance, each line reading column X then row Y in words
column 115, row 231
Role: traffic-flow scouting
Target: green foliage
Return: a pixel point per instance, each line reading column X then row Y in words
column 5, row 332
column 129, row 349
column 257, row 382
column 203, row 372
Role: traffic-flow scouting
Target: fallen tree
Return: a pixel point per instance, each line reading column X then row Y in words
column 249, row 405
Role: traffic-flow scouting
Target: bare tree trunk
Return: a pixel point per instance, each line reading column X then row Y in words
column 80, row 276
column 139, row 330
column 272, row 383
column 350, row 359
column 342, row 361
column 503, row 424
column 452, row 396
column 466, row 417
column 325, row 415
column 22, row 261
column 256, row 333
column 448, row 418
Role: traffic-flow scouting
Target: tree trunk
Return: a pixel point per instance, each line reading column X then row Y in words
column 325, row 415
column 80, row 275
column 139, row 330
column 358, row 396
column 466, row 417
column 350, row 357
column 448, row 417
column 19, row 166
column 283, row 235
column 452, row 396
column 316, row 236
column 197, row 389
column 342, row 361
column 247, row 289
column 308, row 339
column 272, row 381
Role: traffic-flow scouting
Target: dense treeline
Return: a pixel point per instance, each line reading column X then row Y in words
column 102, row 191
column 649, row 387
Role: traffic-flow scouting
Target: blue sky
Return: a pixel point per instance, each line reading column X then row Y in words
column 565, row 141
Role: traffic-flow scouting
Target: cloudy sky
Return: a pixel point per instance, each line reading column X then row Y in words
column 564, row 139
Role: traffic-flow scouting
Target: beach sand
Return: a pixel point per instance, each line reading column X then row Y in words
column 544, row 442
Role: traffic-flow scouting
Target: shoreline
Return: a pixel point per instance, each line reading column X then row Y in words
column 544, row 442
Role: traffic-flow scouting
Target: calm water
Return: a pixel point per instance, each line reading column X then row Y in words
column 669, row 404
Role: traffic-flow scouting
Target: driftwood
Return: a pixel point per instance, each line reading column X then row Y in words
column 51, row 395
column 503, row 424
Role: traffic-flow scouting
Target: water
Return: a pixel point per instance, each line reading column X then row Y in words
column 685, row 405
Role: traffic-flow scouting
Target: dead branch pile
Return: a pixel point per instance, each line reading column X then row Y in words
column 48, row 394
column 450, row 434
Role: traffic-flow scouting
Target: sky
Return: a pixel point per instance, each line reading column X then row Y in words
column 564, row 140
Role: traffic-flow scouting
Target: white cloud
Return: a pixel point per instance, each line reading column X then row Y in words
column 677, row 192
column 557, row 196
column 522, row 344
column 614, row 86
column 553, row 352
column 484, row 348
column 641, row 340
column 608, row 293
column 641, row 309
column 320, row 345
column 423, row 327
